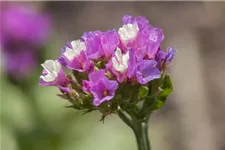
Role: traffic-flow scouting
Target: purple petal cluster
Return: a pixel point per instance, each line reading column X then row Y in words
column 23, row 32
column 100, row 86
column 131, row 54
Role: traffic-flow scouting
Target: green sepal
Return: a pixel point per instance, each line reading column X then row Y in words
column 143, row 92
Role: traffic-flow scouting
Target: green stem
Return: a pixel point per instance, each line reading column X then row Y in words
column 125, row 118
column 140, row 128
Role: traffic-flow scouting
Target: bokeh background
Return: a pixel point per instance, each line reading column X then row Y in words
column 34, row 118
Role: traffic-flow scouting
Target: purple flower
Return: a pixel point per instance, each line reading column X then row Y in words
column 170, row 54
column 74, row 57
column 94, row 77
column 149, row 42
column 128, row 36
column 132, row 64
column 100, row 87
column 93, row 43
column 111, row 59
column 166, row 57
column 142, row 22
column 53, row 75
column 109, row 41
column 119, row 65
column 138, row 34
column 147, row 71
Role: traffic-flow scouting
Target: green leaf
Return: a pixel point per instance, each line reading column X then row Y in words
column 165, row 91
column 143, row 91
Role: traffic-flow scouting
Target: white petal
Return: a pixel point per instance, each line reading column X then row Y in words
column 128, row 31
column 48, row 65
column 57, row 66
column 120, row 61
column 115, row 62
column 77, row 47
column 48, row 78
column 52, row 68
column 126, row 57
column 118, row 53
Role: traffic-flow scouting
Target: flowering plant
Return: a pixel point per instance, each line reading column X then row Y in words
column 116, row 72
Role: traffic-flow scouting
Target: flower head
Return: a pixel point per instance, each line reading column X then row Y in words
column 114, row 70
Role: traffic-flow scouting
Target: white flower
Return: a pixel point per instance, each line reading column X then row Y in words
column 52, row 68
column 128, row 31
column 77, row 47
column 120, row 61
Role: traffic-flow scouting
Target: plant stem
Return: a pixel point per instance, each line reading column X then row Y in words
column 140, row 128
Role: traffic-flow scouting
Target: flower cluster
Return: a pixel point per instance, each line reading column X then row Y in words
column 23, row 32
column 109, row 68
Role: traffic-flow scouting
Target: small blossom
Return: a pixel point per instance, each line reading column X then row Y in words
column 93, row 78
column 170, row 55
column 101, row 87
column 53, row 74
column 120, row 61
column 74, row 50
column 155, row 38
column 147, row 71
column 142, row 22
column 74, row 57
column 93, row 44
column 149, row 43
column 147, row 39
column 128, row 34
column 118, row 65
column 165, row 57
column 109, row 41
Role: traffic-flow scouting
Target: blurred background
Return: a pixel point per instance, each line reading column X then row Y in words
column 34, row 118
